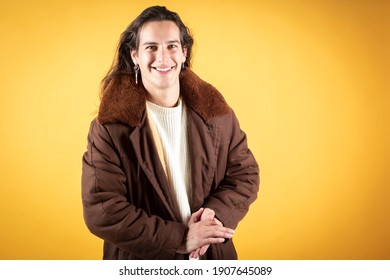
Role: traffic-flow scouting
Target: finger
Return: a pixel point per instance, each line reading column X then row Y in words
column 217, row 231
column 192, row 255
column 215, row 226
column 195, row 254
column 217, row 222
column 203, row 250
column 214, row 240
column 195, row 217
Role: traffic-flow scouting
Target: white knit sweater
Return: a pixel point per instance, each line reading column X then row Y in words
column 171, row 127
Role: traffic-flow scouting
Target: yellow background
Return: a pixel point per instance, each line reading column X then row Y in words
column 309, row 81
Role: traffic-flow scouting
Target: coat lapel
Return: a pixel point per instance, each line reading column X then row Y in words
column 203, row 143
column 147, row 156
column 124, row 101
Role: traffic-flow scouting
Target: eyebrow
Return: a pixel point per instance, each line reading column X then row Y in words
column 168, row 42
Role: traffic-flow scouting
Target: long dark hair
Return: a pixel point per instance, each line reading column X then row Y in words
column 129, row 40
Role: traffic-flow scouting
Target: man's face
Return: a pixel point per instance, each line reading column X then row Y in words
column 160, row 55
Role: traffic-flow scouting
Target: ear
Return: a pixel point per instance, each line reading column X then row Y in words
column 184, row 54
column 134, row 56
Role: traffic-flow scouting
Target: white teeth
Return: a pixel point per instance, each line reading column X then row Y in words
column 163, row 69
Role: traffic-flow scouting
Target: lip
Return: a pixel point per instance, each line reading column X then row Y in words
column 163, row 68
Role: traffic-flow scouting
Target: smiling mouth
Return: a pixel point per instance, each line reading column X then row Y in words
column 163, row 69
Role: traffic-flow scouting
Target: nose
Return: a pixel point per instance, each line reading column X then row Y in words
column 162, row 55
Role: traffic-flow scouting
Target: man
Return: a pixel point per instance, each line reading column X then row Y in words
column 167, row 173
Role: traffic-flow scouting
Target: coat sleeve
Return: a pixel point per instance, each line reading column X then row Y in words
column 107, row 212
column 239, row 180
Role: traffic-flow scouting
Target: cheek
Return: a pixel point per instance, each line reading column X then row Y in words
column 146, row 59
column 180, row 57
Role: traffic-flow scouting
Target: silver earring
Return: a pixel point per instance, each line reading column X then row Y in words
column 136, row 70
column 183, row 66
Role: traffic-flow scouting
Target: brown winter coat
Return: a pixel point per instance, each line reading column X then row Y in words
column 125, row 192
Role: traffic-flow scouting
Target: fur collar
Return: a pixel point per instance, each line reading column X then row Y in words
column 123, row 101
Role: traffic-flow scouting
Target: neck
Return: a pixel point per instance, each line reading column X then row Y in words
column 164, row 97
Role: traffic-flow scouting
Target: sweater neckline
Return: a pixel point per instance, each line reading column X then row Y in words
column 165, row 111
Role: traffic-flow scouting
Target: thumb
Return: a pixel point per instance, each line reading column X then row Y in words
column 195, row 217
column 208, row 214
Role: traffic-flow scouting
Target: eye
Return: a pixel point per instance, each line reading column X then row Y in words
column 172, row 46
column 151, row 48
